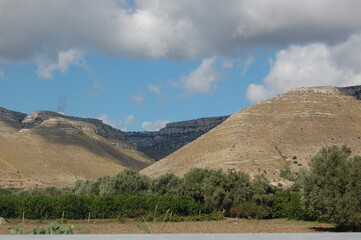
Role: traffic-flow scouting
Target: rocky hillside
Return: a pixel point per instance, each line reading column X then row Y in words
column 46, row 148
column 354, row 91
column 160, row 144
column 281, row 133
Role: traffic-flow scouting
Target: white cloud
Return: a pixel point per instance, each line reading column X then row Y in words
column 170, row 29
column 138, row 100
column 247, row 63
column 154, row 126
column 154, row 89
column 201, row 80
column 315, row 64
column 107, row 120
column 63, row 61
column 2, row 74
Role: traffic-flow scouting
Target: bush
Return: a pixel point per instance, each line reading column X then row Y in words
column 287, row 204
column 332, row 186
column 9, row 206
column 37, row 206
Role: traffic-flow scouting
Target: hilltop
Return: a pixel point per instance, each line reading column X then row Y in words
column 281, row 133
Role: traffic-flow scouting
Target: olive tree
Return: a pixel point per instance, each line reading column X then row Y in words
column 332, row 186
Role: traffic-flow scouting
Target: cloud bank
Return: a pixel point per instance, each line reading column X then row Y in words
column 168, row 29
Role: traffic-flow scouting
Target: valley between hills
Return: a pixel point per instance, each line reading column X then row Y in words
column 282, row 133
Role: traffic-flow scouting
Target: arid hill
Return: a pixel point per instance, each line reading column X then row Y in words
column 47, row 148
column 281, row 133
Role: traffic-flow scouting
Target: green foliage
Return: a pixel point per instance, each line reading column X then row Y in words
column 126, row 182
column 288, row 204
column 166, row 184
column 19, row 229
column 36, row 206
column 217, row 190
column 288, row 175
column 74, row 206
column 79, row 206
column 262, row 191
column 9, row 206
column 332, row 186
column 51, row 228
column 4, row 191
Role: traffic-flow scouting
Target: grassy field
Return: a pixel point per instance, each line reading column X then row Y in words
column 229, row 225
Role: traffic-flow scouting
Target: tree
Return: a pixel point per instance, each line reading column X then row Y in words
column 332, row 186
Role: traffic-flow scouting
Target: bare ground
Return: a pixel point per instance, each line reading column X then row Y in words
column 229, row 225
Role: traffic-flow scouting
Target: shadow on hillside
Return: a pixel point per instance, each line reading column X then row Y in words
column 70, row 136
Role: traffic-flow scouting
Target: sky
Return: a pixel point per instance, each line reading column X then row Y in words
column 138, row 65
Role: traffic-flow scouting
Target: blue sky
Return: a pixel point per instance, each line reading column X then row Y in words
column 138, row 65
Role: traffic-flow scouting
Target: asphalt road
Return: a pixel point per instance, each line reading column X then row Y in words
column 213, row 236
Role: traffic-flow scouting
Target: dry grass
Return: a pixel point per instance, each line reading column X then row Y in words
column 229, row 225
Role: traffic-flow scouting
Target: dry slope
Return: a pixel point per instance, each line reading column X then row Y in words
column 46, row 148
column 279, row 133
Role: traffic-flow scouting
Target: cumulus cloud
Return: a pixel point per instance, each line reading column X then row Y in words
column 154, row 126
column 137, row 99
column 316, row 64
column 169, row 29
column 202, row 79
column 62, row 62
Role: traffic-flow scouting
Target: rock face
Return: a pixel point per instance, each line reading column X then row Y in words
column 281, row 133
column 158, row 145
column 352, row 91
column 97, row 126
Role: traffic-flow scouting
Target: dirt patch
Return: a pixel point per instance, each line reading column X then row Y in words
column 229, row 225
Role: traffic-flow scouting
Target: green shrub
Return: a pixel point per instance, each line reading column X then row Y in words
column 287, row 204
column 37, row 206
column 9, row 205
column 332, row 186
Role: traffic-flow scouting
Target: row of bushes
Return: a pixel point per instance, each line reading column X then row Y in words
column 216, row 190
column 78, row 206
column 285, row 205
